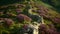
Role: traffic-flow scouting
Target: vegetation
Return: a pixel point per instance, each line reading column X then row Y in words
column 16, row 14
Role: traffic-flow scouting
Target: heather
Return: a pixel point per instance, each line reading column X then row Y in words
column 29, row 17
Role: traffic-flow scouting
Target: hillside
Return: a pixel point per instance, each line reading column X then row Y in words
column 25, row 16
